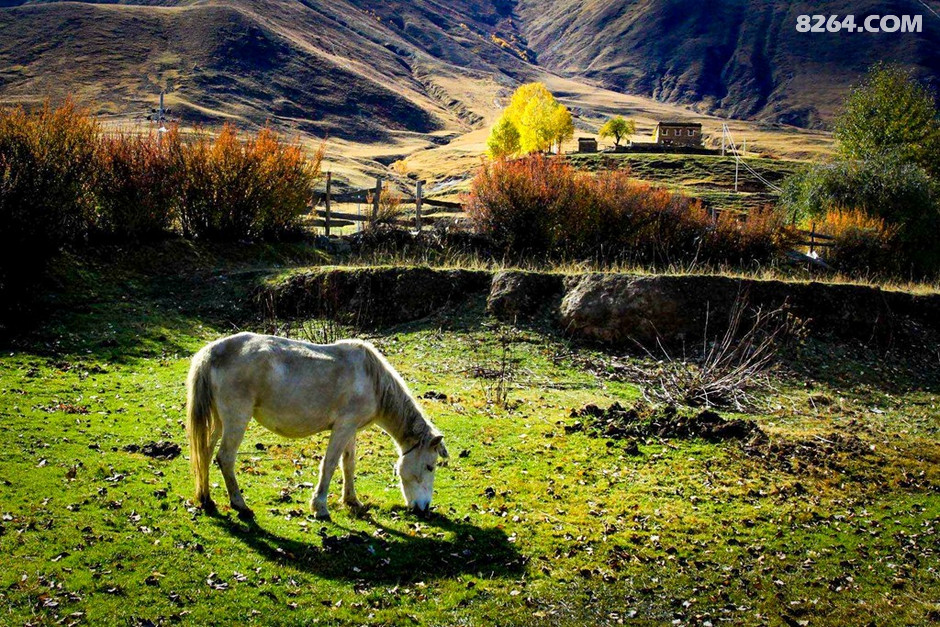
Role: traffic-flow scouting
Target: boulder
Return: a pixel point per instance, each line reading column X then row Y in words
column 517, row 296
column 626, row 310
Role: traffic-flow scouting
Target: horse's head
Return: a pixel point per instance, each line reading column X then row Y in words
column 416, row 469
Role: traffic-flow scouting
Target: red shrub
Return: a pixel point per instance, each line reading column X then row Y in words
column 541, row 205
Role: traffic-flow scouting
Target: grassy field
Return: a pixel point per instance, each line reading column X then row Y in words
column 709, row 177
column 532, row 524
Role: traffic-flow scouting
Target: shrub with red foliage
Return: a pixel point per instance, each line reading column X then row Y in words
column 138, row 186
column 542, row 205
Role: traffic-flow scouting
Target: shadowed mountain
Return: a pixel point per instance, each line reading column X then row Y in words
column 736, row 58
column 349, row 69
column 367, row 70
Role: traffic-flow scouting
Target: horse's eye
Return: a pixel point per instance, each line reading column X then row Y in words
column 430, row 468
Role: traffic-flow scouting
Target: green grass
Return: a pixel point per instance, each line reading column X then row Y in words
column 532, row 525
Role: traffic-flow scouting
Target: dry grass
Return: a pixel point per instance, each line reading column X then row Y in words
column 730, row 366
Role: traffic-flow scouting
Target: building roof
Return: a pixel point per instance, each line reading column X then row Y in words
column 683, row 124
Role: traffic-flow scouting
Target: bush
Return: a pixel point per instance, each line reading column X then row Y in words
column 138, row 186
column 863, row 245
column 235, row 190
column 47, row 170
column 47, row 166
column 901, row 195
column 539, row 205
column 61, row 180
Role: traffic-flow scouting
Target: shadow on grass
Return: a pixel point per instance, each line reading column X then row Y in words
column 387, row 555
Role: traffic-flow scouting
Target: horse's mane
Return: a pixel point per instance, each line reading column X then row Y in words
column 396, row 404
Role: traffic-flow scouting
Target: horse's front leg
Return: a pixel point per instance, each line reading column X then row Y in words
column 339, row 438
column 349, row 474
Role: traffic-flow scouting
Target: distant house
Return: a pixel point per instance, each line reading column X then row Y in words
column 587, row 144
column 678, row 134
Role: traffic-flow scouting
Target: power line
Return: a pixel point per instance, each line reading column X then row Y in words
column 727, row 138
column 929, row 8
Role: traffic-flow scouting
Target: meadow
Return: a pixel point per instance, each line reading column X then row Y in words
column 535, row 521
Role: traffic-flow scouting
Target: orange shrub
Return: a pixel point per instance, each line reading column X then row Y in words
column 138, row 185
column 47, row 167
column 863, row 244
column 234, row 189
column 539, row 205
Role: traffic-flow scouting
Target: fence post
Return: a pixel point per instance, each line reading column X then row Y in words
column 419, row 186
column 326, row 220
column 812, row 238
column 376, row 197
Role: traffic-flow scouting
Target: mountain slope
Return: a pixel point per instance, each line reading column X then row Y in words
column 349, row 69
column 738, row 58
column 423, row 71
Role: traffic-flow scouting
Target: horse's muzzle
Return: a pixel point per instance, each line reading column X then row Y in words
column 421, row 507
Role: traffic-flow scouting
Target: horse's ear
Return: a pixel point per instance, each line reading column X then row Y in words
column 435, row 441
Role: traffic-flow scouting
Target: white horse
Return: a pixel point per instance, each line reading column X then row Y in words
column 296, row 389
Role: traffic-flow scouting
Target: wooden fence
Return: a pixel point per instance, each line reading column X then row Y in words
column 373, row 196
column 815, row 240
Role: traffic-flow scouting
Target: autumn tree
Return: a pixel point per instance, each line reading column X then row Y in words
column 532, row 122
column 504, row 139
column 618, row 128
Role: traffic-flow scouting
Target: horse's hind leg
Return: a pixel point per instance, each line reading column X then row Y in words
column 349, row 473
column 234, row 423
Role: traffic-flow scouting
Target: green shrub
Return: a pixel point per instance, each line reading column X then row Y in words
column 902, row 195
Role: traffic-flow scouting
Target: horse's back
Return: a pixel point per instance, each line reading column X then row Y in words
column 294, row 387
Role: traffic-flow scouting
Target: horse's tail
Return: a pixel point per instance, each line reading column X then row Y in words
column 199, row 414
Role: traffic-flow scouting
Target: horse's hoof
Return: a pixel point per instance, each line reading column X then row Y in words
column 208, row 506
column 357, row 508
column 245, row 514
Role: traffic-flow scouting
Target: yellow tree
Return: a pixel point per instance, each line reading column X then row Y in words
column 540, row 123
column 504, row 139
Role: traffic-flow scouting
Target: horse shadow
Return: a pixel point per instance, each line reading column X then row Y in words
column 444, row 548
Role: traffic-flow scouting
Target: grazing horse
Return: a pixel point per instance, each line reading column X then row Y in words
column 296, row 389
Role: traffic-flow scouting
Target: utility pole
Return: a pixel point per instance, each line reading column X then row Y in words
column 419, row 188
column 326, row 217
column 159, row 116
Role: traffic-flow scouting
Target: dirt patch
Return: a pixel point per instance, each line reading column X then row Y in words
column 820, row 454
column 158, row 450
column 371, row 296
column 641, row 421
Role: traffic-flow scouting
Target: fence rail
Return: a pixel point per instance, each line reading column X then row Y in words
column 373, row 196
